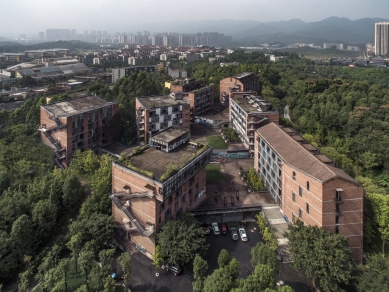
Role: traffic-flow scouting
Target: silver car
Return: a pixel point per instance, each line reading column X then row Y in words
column 234, row 233
column 243, row 234
column 215, row 228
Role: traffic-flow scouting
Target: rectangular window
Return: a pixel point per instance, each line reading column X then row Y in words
column 293, row 196
column 336, row 229
column 293, row 217
column 300, row 213
column 338, row 194
column 307, row 185
column 300, row 191
column 307, row 208
column 294, row 175
column 336, row 219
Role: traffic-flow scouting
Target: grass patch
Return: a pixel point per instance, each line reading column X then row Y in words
column 213, row 172
column 216, row 142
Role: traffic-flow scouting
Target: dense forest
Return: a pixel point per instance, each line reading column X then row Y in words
column 44, row 211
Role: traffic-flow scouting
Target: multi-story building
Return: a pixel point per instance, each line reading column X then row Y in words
column 307, row 185
column 164, row 181
column 245, row 81
column 127, row 71
column 199, row 97
column 81, row 123
column 382, row 38
column 157, row 113
column 248, row 112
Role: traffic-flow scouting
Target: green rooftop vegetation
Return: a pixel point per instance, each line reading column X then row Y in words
column 216, row 142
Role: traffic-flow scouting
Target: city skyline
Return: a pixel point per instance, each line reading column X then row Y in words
column 120, row 15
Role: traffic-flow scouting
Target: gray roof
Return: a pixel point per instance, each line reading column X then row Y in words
column 170, row 134
column 158, row 101
column 76, row 106
column 298, row 156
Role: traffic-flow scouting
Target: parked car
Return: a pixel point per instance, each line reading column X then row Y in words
column 234, row 233
column 243, row 235
column 174, row 269
column 223, row 227
column 110, row 244
column 215, row 228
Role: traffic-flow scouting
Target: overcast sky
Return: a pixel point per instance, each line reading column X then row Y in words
column 31, row 16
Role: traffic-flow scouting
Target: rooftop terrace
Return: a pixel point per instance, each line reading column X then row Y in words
column 254, row 104
column 170, row 134
column 157, row 162
column 76, row 106
column 158, row 101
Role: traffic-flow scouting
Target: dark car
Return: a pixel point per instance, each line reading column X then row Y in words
column 207, row 229
column 223, row 227
column 174, row 269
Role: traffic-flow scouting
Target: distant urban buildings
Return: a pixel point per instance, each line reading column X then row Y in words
column 157, row 39
column 381, row 38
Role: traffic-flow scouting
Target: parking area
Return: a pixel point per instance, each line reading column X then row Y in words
column 237, row 248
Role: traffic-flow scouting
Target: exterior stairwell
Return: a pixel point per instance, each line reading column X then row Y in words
column 127, row 210
column 58, row 149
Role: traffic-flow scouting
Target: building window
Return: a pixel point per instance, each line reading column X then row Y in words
column 307, row 208
column 339, row 194
column 336, row 229
column 293, row 217
column 293, row 196
column 336, row 219
column 294, row 175
column 300, row 213
column 300, row 191
column 307, row 185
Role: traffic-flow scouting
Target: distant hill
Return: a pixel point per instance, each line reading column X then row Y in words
column 13, row 47
column 248, row 32
column 332, row 29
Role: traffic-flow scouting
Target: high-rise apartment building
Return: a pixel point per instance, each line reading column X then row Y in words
column 381, row 38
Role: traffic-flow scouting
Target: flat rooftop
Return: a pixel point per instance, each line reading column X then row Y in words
column 76, row 106
column 158, row 101
column 244, row 75
column 170, row 134
column 249, row 107
column 156, row 161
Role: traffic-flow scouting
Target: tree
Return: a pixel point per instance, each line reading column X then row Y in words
column 180, row 240
column 223, row 258
column 376, row 268
column 125, row 262
column 222, row 279
column 200, row 267
column 380, row 204
column 262, row 254
column 106, row 260
column 85, row 262
column 25, row 280
column 44, row 216
column 75, row 245
column 262, row 278
column 157, row 258
column 324, row 257
column 22, row 236
column 109, row 284
column 71, row 191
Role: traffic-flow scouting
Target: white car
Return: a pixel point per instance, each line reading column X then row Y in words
column 243, row 234
column 215, row 228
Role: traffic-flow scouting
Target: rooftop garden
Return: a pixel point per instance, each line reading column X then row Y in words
column 217, row 142
column 126, row 159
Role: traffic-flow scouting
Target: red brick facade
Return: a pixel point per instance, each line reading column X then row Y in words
column 69, row 135
column 154, row 212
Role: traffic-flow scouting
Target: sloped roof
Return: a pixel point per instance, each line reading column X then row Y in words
column 296, row 155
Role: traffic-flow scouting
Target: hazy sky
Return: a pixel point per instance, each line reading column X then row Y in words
column 31, row 16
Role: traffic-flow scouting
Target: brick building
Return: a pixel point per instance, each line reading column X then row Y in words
column 247, row 113
column 157, row 113
column 81, row 123
column 307, row 185
column 245, row 81
column 158, row 184
column 200, row 97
